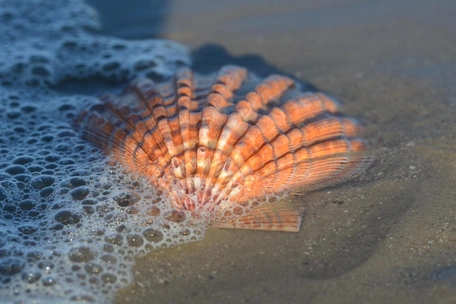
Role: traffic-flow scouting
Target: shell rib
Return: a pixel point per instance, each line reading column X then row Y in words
column 227, row 137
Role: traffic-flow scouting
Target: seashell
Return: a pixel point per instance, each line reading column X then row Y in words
column 227, row 138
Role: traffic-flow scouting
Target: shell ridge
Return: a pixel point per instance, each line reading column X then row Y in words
column 116, row 112
column 228, row 80
column 209, row 133
column 344, row 155
column 214, row 119
column 224, row 166
column 353, row 167
column 272, row 175
column 272, row 87
column 261, row 181
column 160, row 114
column 269, row 133
column 96, row 130
column 185, row 87
column 114, row 138
column 144, row 89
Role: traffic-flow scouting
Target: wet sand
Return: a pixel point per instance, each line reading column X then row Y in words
column 387, row 237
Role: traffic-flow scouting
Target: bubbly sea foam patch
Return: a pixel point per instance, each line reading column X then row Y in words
column 71, row 223
column 47, row 41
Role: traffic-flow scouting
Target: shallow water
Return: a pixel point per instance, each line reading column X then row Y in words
column 387, row 237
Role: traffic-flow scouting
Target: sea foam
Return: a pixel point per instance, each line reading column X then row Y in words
column 71, row 222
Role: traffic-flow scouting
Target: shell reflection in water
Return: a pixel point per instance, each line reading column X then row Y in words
column 227, row 139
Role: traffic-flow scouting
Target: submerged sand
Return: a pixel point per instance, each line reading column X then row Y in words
column 387, row 237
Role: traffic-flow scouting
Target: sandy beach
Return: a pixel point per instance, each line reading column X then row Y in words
column 386, row 237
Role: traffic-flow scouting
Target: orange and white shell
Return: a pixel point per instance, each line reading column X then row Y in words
column 227, row 136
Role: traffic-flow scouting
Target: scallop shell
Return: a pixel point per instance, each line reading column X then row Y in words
column 227, row 138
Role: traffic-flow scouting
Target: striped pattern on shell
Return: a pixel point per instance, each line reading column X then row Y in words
column 227, row 137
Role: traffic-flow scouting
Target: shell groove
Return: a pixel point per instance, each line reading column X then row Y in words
column 227, row 137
